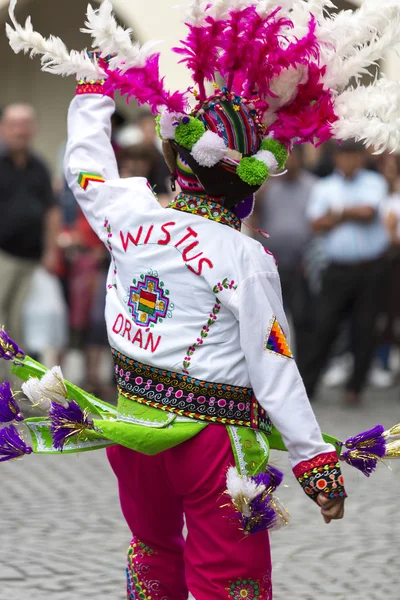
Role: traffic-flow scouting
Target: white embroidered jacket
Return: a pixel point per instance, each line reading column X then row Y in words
column 162, row 308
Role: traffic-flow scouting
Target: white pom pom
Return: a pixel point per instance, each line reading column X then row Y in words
column 269, row 159
column 168, row 124
column 209, row 150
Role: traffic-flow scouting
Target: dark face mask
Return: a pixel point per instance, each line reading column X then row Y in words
column 220, row 181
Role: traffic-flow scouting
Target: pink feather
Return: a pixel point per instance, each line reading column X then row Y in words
column 200, row 51
column 145, row 85
column 308, row 119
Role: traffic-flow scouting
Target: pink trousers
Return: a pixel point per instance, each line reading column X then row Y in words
column 216, row 561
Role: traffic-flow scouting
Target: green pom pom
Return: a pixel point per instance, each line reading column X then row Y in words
column 158, row 128
column 252, row 171
column 187, row 134
column 279, row 151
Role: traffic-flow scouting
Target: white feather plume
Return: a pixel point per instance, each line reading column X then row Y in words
column 113, row 39
column 242, row 490
column 372, row 131
column 382, row 100
column 221, row 8
column 196, row 12
column 338, row 76
column 349, row 30
column 55, row 58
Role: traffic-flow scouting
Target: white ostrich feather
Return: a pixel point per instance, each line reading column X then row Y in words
column 114, row 40
column 349, row 30
column 382, row 100
column 372, row 131
column 221, row 8
column 55, row 56
column 196, row 12
column 367, row 55
column 285, row 85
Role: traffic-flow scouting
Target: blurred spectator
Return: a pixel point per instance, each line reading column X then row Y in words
column 159, row 175
column 381, row 375
column 281, row 209
column 30, row 217
column 136, row 161
column 325, row 165
column 345, row 209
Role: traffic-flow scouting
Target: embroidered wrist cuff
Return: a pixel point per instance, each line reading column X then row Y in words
column 90, row 87
column 321, row 475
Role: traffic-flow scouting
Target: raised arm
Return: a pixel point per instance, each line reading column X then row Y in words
column 90, row 158
column 279, row 388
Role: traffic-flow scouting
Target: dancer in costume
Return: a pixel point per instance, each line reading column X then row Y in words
column 205, row 376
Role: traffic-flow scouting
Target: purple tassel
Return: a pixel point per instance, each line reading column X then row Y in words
column 263, row 515
column 11, row 444
column 67, row 422
column 9, row 349
column 364, row 450
column 263, row 511
column 9, row 409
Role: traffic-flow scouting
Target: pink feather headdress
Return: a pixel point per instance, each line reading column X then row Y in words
column 283, row 74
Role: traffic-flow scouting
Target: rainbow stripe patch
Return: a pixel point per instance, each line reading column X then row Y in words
column 85, row 178
column 276, row 341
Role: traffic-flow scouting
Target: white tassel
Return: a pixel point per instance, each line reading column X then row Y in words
column 209, row 150
column 32, row 390
column 53, row 386
column 55, row 56
column 242, row 490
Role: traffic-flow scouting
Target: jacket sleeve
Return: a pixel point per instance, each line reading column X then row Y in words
column 278, row 386
column 90, row 158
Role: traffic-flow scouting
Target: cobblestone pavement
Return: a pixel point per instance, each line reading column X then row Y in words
column 62, row 536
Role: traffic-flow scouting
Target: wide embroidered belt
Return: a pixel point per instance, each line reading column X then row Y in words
column 187, row 396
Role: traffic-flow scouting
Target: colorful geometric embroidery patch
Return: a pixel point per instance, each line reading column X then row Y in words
column 85, row 178
column 276, row 341
column 148, row 301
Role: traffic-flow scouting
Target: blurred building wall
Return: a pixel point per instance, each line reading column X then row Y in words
column 150, row 19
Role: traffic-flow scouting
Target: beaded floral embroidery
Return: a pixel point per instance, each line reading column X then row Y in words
column 107, row 228
column 186, row 396
column 203, row 336
column 206, row 208
column 244, row 588
column 322, row 474
column 226, row 284
column 139, row 585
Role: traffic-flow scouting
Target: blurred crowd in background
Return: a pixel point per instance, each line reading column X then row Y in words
column 334, row 224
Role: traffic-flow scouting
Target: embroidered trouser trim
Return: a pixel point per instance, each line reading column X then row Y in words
column 217, row 561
